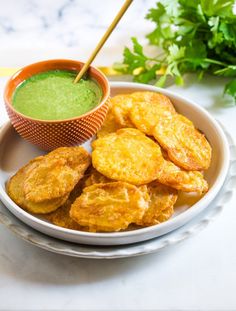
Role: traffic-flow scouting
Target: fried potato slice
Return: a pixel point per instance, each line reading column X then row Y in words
column 153, row 98
column 61, row 217
column 49, row 180
column 109, row 207
column 109, row 126
column 121, row 105
column 77, row 158
column 96, row 178
column 127, row 155
column 57, row 174
column 16, row 192
column 180, row 179
column 160, row 207
column 148, row 108
column 185, row 145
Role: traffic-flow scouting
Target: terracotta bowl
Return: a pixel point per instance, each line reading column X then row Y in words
column 51, row 134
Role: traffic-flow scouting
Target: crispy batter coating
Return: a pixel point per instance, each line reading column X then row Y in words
column 109, row 126
column 161, row 203
column 185, row 145
column 61, row 217
column 109, row 207
column 148, row 108
column 127, row 155
column 180, row 179
column 121, row 105
column 77, row 158
column 153, row 98
column 96, row 178
column 50, row 180
column 16, row 193
column 45, row 183
column 57, row 174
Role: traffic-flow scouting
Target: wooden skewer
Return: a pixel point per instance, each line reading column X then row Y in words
column 103, row 39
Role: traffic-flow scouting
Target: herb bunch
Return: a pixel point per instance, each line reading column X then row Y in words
column 194, row 35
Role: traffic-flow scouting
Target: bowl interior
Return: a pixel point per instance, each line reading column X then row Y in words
column 15, row 152
column 60, row 64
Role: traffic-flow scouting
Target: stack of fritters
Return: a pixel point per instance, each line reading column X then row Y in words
column 144, row 154
column 46, row 182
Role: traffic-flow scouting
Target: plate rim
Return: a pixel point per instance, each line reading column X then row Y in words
column 197, row 208
column 179, row 235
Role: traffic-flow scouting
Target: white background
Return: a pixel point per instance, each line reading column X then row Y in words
column 199, row 274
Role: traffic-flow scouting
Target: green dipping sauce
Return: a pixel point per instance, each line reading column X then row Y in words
column 52, row 95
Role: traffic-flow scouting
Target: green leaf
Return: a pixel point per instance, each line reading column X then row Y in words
column 138, row 49
column 229, row 71
column 222, row 8
column 195, row 54
column 172, row 7
column 194, row 35
column 147, row 76
column 161, row 81
column 179, row 80
column 156, row 13
column 134, row 59
column 230, row 88
column 228, row 31
column 176, row 52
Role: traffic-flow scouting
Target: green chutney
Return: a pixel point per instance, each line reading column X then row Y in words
column 52, row 95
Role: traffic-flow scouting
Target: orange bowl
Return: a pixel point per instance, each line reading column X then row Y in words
column 51, row 134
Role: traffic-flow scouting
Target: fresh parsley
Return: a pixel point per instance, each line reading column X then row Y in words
column 194, row 35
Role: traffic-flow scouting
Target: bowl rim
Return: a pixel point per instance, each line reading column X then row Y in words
column 8, row 102
column 195, row 209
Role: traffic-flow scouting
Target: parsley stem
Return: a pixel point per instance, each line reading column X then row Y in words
column 213, row 61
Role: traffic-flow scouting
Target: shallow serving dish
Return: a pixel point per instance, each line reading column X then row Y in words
column 15, row 152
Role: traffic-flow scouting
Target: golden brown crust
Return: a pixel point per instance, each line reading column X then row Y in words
column 109, row 207
column 127, row 155
column 16, row 193
column 180, row 179
column 161, row 204
column 121, row 106
column 185, row 145
column 109, row 126
column 96, row 178
column 148, row 108
column 45, row 183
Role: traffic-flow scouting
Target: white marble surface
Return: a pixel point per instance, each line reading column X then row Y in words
column 199, row 274
column 67, row 28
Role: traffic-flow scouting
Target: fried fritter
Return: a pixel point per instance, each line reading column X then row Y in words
column 77, row 158
column 16, row 193
column 109, row 126
column 148, row 108
column 96, row 178
column 109, row 207
column 153, row 98
column 57, row 174
column 127, row 155
column 185, row 145
column 61, row 217
column 180, row 179
column 50, row 180
column 45, row 183
column 160, row 209
column 121, row 105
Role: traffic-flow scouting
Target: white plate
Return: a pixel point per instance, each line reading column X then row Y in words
column 111, row 252
column 15, row 152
